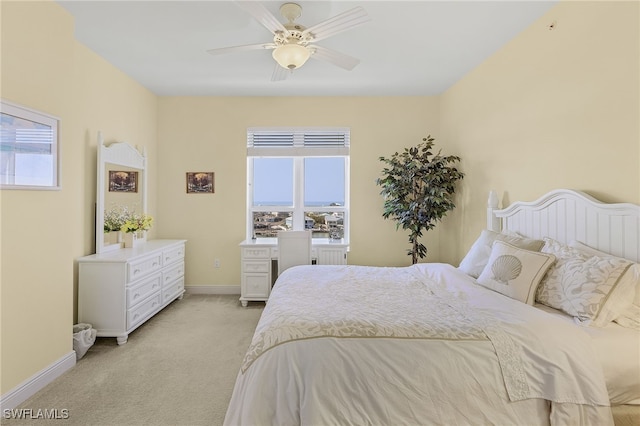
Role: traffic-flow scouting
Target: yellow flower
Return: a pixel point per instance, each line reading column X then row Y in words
column 137, row 223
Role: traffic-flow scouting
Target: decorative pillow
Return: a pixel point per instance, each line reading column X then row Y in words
column 476, row 259
column 623, row 304
column 580, row 284
column 630, row 316
column 515, row 272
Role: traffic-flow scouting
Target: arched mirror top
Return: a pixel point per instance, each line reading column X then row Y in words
column 123, row 154
column 121, row 187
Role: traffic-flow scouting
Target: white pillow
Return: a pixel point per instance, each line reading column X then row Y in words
column 580, row 284
column 515, row 272
column 476, row 259
column 624, row 301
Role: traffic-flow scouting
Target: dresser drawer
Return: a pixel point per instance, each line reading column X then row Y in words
column 138, row 314
column 141, row 290
column 145, row 266
column 256, row 253
column 173, row 290
column 173, row 255
column 255, row 266
column 172, row 273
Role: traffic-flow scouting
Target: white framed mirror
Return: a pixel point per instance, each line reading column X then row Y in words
column 121, row 185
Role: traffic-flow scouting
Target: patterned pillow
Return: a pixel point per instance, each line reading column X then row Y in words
column 476, row 259
column 515, row 272
column 623, row 304
column 579, row 283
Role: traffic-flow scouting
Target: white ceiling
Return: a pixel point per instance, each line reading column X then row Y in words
column 408, row 48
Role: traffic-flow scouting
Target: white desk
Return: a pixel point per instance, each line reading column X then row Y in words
column 260, row 270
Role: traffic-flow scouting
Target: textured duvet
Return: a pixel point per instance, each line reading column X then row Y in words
column 414, row 345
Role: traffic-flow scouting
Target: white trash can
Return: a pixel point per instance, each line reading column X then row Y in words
column 84, row 336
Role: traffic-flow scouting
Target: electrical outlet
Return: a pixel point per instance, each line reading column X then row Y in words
column 216, row 263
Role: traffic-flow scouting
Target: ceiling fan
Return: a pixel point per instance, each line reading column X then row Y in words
column 293, row 43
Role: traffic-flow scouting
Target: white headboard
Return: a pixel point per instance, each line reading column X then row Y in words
column 567, row 215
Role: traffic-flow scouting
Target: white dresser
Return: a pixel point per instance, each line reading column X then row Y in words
column 259, row 267
column 120, row 290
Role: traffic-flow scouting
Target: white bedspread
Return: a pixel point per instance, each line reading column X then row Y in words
column 415, row 345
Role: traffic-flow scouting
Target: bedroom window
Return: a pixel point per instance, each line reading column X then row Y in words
column 28, row 148
column 298, row 178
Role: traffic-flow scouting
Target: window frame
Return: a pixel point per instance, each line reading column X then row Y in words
column 29, row 114
column 298, row 152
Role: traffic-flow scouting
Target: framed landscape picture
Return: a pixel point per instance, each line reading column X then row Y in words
column 200, row 183
column 121, row 181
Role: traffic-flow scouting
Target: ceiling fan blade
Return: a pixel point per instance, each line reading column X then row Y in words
column 342, row 22
column 262, row 15
column 280, row 73
column 336, row 58
column 223, row 50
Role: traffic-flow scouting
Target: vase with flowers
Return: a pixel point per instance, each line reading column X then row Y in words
column 113, row 221
column 135, row 228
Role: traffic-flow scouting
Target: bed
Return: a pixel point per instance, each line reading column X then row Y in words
column 537, row 325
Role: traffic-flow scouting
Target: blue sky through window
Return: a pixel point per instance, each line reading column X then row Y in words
column 324, row 181
column 273, row 181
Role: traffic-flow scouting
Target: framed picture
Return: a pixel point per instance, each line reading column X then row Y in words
column 200, row 183
column 120, row 181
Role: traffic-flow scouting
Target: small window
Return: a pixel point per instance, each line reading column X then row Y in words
column 28, row 148
column 298, row 178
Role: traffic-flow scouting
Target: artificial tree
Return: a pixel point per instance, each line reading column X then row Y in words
column 418, row 188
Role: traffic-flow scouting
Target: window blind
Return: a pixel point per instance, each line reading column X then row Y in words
column 297, row 141
column 27, row 140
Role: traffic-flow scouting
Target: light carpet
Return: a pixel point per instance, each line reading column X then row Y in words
column 178, row 368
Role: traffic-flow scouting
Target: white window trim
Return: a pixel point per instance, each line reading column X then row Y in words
column 23, row 112
column 299, row 152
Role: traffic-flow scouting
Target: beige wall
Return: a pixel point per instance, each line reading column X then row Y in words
column 39, row 228
column 551, row 109
column 209, row 134
column 42, row 232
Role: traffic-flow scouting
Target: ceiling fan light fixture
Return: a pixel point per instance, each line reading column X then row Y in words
column 291, row 56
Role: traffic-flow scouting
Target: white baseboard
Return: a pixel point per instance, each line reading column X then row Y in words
column 212, row 289
column 29, row 387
